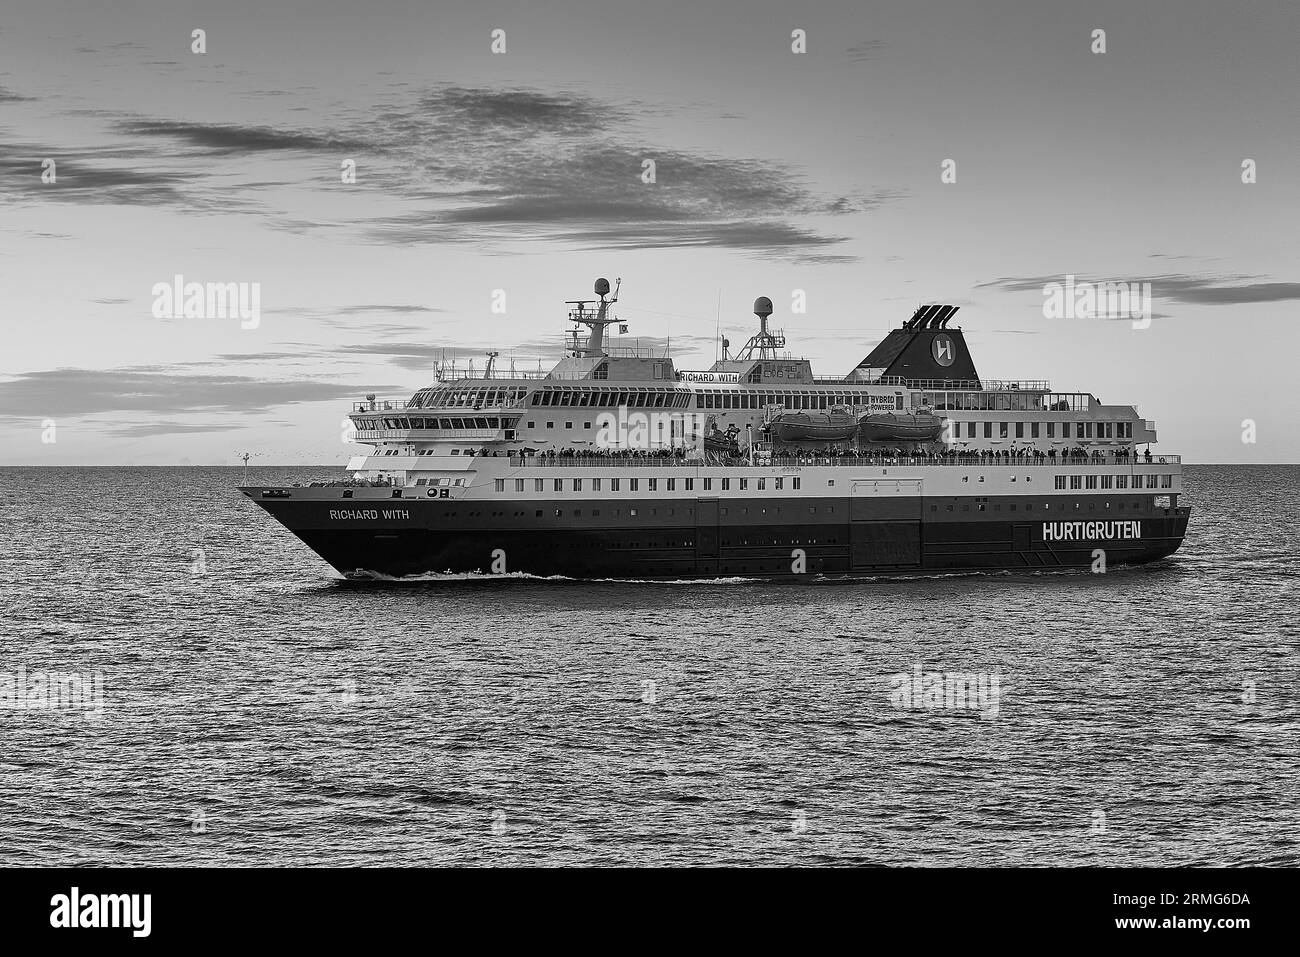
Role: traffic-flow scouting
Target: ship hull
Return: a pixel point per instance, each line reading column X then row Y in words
column 703, row 538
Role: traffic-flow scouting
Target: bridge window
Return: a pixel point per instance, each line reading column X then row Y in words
column 1076, row 481
column 1107, row 481
column 1090, row 481
column 1166, row 481
column 1121, row 481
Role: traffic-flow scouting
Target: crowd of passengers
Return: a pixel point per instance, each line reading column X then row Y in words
column 1075, row 455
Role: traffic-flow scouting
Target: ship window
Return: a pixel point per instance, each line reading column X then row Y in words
column 672, row 485
column 726, row 484
column 1166, row 481
column 532, row 425
column 550, row 425
column 1090, row 481
column 632, row 511
column 830, row 483
column 613, row 485
column 1151, row 481
column 586, row 425
column 779, row 483
column 794, row 483
column 1051, row 430
column 762, row 484
column 708, row 485
column 652, row 485
column 1033, row 430
column 519, row 485
column 559, row 485
column 1076, row 481
column 1121, row 481
column 577, row 485
column 455, row 451
column 690, row 485
column 1002, row 430
column 632, row 484
column 538, row 513
column 744, row 484
column 1107, row 481
column 595, row 485
column 499, row 485
column 1020, row 430
column 1060, row 481
column 988, row 430
column 1065, row 430
column 568, row 425
column 539, row 485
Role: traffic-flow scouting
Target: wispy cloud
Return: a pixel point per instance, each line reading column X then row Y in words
column 1196, row 290
column 73, row 392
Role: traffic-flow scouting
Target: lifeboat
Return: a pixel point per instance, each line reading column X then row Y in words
column 893, row 427
column 813, row 426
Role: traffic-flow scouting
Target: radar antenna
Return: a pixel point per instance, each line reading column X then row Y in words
column 596, row 321
column 765, row 344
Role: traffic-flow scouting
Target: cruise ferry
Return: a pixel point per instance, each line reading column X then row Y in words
column 617, row 464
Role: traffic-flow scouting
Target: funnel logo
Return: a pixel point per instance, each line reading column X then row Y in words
column 942, row 349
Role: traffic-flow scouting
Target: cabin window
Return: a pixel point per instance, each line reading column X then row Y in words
column 499, row 485
column 1051, row 430
column 652, row 485
column 744, row 484
column 1151, row 481
column 708, row 485
column 577, row 485
column 779, row 482
column 988, row 430
column 672, row 485
column 539, row 485
column 595, row 485
column 690, row 485
column 1090, row 481
column 1076, row 481
column 762, row 484
column 1020, row 430
column 1107, row 481
column 1166, row 481
column 726, row 484
column 519, row 485
column 633, row 483
column 613, row 485
column 1060, row 482
column 794, row 483
column 1121, row 481
column 1002, row 430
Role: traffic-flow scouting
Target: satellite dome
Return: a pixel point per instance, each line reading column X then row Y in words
column 602, row 287
column 762, row 306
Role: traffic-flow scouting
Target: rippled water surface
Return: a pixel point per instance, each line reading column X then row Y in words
column 258, row 710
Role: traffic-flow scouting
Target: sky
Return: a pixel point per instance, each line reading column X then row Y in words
column 517, row 178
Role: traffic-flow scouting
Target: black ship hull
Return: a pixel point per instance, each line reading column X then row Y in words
column 734, row 537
